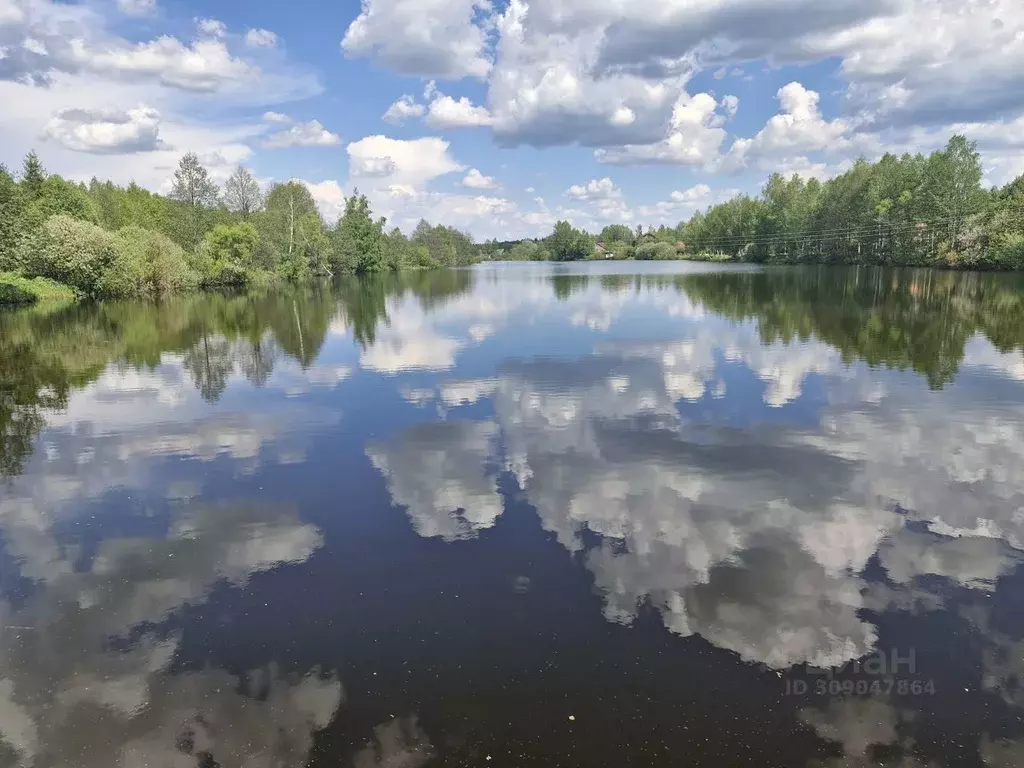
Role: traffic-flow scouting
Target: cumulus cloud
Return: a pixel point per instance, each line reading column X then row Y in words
column 260, row 38
column 211, row 27
column 311, row 134
column 106, row 131
column 603, row 200
column 329, row 197
column 595, row 189
column 205, row 65
column 544, row 91
column 694, row 137
column 446, row 112
column 435, row 38
column 395, row 162
column 276, row 117
column 681, row 202
column 799, row 127
column 476, row 180
column 404, row 108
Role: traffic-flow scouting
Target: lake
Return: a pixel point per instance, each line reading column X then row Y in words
column 603, row 514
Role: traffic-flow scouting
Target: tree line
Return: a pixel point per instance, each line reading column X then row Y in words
column 911, row 210
column 103, row 240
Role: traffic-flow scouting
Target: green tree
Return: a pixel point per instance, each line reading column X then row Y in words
column 952, row 184
column 196, row 193
column 12, row 205
column 291, row 230
column 616, row 233
column 360, row 240
column 32, row 175
column 228, row 256
column 567, row 243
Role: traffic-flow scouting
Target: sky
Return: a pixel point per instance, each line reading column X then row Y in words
column 502, row 116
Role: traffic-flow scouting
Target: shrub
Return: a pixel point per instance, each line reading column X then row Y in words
column 1007, row 251
column 234, row 244
column 157, row 264
column 655, row 251
column 417, row 256
column 15, row 289
column 69, row 251
column 706, row 256
column 226, row 257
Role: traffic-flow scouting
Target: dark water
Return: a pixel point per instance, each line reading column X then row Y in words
column 519, row 515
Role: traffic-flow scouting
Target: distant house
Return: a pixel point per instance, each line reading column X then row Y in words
column 604, row 252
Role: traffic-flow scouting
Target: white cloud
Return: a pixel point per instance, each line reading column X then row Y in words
column 85, row 131
column 260, row 38
column 595, row 189
column 694, row 137
column 544, row 89
column 311, row 134
column 476, row 180
column 404, row 108
column 429, row 38
column 329, row 197
column 683, row 202
column 211, row 27
column 446, row 112
column 106, row 131
column 798, row 127
column 205, row 65
column 276, row 117
column 386, row 162
column 604, row 203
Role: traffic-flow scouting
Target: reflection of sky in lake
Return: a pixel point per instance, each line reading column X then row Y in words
column 541, row 496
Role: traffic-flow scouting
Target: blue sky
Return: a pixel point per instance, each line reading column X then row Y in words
column 508, row 115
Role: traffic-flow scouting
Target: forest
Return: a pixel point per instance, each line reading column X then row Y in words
column 64, row 240
column 908, row 210
column 61, row 240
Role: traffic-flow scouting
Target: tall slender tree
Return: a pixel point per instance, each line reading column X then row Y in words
column 242, row 193
column 197, row 193
column 32, row 175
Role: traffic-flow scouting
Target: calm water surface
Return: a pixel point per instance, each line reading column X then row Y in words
column 518, row 515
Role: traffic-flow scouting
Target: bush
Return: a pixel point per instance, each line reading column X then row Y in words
column 69, row 251
column 417, row 256
column 15, row 289
column 655, row 251
column 157, row 264
column 148, row 264
column 226, row 257
column 716, row 256
column 1007, row 251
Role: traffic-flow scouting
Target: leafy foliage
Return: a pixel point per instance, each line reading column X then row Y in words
column 140, row 244
column 567, row 243
column 656, row 251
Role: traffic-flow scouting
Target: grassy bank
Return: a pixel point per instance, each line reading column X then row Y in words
column 15, row 289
